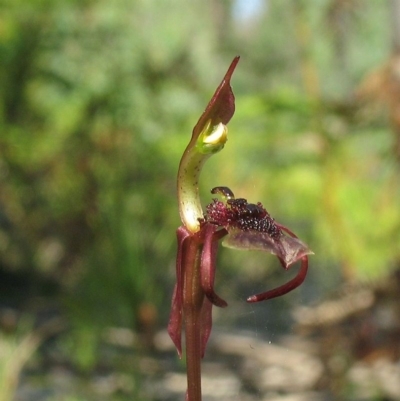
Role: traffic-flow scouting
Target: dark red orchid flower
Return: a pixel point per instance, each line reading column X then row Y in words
column 242, row 225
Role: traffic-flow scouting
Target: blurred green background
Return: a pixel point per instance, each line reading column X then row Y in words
column 97, row 103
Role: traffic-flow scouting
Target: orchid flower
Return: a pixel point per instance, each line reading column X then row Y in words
column 242, row 225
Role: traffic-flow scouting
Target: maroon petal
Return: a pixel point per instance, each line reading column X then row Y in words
column 208, row 262
column 206, row 324
column 285, row 288
column 175, row 320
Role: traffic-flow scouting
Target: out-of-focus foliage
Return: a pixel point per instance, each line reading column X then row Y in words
column 97, row 103
column 91, row 93
column 306, row 143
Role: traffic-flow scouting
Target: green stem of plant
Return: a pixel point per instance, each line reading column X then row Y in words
column 193, row 298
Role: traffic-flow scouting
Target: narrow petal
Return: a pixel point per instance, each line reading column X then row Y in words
column 206, row 324
column 285, row 288
column 175, row 320
column 208, row 262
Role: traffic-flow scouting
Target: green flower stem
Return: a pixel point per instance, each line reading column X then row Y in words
column 193, row 298
column 211, row 140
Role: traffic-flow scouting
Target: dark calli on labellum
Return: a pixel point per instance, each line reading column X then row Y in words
column 250, row 227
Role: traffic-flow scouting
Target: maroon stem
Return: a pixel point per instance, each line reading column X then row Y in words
column 193, row 297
